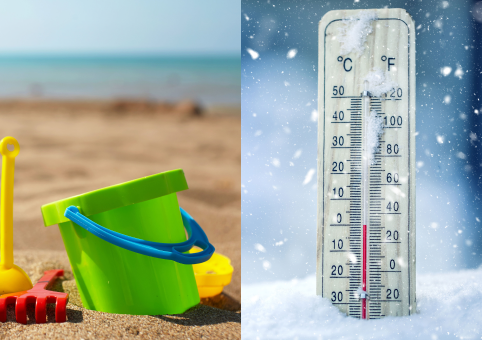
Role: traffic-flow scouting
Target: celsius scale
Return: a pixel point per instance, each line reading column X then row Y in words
column 366, row 162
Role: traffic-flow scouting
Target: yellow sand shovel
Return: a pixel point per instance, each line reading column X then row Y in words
column 12, row 278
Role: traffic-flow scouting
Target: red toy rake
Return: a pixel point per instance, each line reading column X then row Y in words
column 38, row 295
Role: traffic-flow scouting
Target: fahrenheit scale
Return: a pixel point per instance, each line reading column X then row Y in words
column 366, row 162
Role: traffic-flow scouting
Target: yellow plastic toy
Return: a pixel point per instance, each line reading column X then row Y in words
column 12, row 278
column 212, row 275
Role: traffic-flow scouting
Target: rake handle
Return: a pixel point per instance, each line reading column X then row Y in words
column 49, row 277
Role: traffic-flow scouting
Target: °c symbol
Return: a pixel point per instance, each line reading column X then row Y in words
column 345, row 66
column 384, row 58
column 340, row 59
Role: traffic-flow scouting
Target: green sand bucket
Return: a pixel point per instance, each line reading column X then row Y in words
column 128, row 256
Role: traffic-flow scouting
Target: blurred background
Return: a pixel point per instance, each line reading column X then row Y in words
column 279, row 41
column 152, row 50
column 99, row 93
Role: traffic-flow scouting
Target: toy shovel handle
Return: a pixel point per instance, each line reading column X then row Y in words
column 167, row 251
column 6, row 200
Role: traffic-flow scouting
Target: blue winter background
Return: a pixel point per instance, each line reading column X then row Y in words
column 279, row 149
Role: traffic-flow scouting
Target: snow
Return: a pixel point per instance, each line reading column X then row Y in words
column 314, row 116
column 473, row 137
column 445, row 70
column 379, row 82
column 260, row 248
column 449, row 307
column 254, row 55
column 297, row 153
column 438, row 24
column 354, row 32
column 459, row 72
column 291, row 53
column 477, row 11
column 374, row 131
column 309, row 176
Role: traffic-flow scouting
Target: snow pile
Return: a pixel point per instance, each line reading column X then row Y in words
column 354, row 32
column 379, row 82
column 374, row 125
column 449, row 307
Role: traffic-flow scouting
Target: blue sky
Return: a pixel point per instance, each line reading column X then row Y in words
column 120, row 27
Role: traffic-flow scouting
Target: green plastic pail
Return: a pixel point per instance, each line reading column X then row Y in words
column 115, row 280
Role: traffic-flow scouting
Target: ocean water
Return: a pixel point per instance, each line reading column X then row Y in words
column 207, row 80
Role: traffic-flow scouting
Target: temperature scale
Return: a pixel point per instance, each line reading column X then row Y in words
column 366, row 178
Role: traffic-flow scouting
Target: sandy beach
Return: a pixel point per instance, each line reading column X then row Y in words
column 68, row 148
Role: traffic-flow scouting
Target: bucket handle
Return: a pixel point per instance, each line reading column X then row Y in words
column 167, row 251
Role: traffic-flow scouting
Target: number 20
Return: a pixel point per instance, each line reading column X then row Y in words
column 339, row 165
column 396, row 294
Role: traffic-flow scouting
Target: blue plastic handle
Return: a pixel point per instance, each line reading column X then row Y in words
column 167, row 251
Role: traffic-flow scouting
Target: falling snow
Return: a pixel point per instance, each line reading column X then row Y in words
column 473, row 137
column 309, row 176
column 297, row 153
column 459, row 72
column 291, row 53
column 259, row 247
column 446, row 70
column 253, row 53
column 314, row 116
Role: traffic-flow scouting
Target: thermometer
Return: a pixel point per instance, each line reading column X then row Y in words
column 366, row 162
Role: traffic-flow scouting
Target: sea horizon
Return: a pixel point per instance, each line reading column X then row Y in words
column 203, row 78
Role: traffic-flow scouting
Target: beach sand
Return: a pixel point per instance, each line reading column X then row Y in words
column 68, row 148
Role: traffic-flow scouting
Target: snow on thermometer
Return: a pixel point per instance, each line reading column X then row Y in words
column 366, row 162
